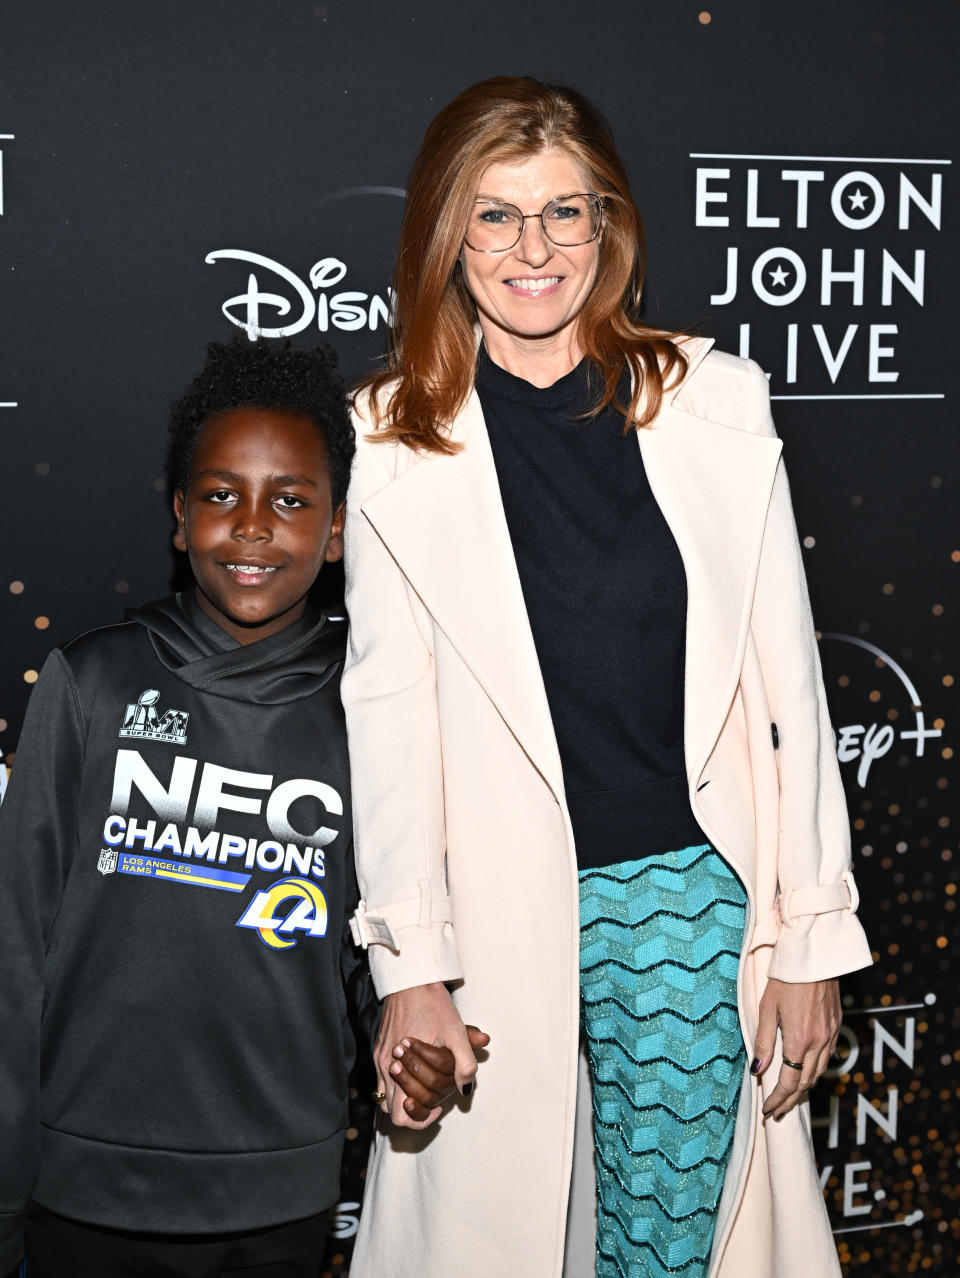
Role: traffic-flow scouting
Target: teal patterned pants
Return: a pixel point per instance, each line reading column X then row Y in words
column 660, row 941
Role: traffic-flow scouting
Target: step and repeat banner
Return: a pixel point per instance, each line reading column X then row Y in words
column 180, row 172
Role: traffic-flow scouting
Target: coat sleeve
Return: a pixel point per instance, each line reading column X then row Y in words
column 815, row 930
column 389, row 694
column 38, row 836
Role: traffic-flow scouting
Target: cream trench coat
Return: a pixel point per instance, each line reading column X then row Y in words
column 464, row 847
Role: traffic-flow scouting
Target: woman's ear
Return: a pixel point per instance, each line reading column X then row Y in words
column 180, row 536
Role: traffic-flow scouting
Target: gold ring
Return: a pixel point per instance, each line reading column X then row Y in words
column 793, row 1064
column 379, row 1097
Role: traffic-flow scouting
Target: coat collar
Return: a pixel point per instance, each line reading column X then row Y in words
column 443, row 522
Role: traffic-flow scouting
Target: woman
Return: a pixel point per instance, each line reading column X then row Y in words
column 592, row 760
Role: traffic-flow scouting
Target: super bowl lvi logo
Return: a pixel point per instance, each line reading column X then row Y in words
column 142, row 720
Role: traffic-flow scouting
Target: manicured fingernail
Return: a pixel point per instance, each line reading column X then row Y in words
column 396, row 1067
column 406, row 1042
column 467, row 1089
column 398, row 1052
column 755, row 1067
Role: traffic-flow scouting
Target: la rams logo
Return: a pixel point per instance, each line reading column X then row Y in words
column 276, row 921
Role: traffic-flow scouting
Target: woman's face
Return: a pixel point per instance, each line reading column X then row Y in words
column 537, row 289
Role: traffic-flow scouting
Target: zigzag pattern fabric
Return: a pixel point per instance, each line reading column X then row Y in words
column 660, row 942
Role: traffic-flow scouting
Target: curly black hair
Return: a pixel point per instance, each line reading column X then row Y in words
column 265, row 374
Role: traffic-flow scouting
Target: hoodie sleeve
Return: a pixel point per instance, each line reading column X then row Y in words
column 365, row 1008
column 38, row 835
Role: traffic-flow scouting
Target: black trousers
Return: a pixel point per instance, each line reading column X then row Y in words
column 60, row 1248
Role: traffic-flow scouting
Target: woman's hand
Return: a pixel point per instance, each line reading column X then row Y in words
column 425, row 1012
column 808, row 1014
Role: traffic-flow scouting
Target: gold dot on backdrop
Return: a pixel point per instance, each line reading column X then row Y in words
column 42, row 468
column 948, row 681
column 856, row 500
column 809, row 542
column 160, row 484
column 16, row 587
column 30, row 676
column 41, row 623
column 955, row 556
column 888, row 588
column 936, row 482
column 3, row 725
column 121, row 587
column 703, row 17
column 938, row 610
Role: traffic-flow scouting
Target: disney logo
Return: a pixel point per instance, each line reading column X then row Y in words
column 349, row 310
column 869, row 742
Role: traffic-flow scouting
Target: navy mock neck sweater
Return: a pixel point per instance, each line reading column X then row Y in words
column 605, row 591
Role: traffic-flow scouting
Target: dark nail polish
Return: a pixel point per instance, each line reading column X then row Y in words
column 755, row 1067
column 467, row 1089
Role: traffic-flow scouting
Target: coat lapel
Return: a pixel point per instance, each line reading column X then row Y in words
column 713, row 485
column 443, row 522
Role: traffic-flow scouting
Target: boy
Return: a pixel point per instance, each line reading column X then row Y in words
column 176, row 869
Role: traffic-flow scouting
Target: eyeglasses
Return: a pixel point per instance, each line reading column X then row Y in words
column 569, row 220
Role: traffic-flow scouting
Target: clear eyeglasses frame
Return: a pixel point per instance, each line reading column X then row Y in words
column 564, row 222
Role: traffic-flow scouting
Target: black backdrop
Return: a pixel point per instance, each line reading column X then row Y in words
column 793, row 163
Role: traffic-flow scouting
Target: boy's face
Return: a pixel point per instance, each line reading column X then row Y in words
column 257, row 519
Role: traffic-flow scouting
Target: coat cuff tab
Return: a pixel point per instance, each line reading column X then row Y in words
column 824, row 898
column 801, row 902
column 381, row 927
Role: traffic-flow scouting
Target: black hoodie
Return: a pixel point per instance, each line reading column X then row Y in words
column 175, row 872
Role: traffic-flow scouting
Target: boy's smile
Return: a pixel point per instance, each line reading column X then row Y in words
column 257, row 519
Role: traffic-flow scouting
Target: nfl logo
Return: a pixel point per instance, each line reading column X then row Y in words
column 108, row 861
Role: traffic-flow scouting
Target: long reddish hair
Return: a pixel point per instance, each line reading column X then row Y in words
column 431, row 358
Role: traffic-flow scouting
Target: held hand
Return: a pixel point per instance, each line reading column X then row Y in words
column 808, row 1014
column 426, row 1073
column 425, row 1012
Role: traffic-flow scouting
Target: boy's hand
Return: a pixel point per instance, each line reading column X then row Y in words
column 426, row 1074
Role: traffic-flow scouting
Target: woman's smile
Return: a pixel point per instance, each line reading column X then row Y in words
column 535, row 285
